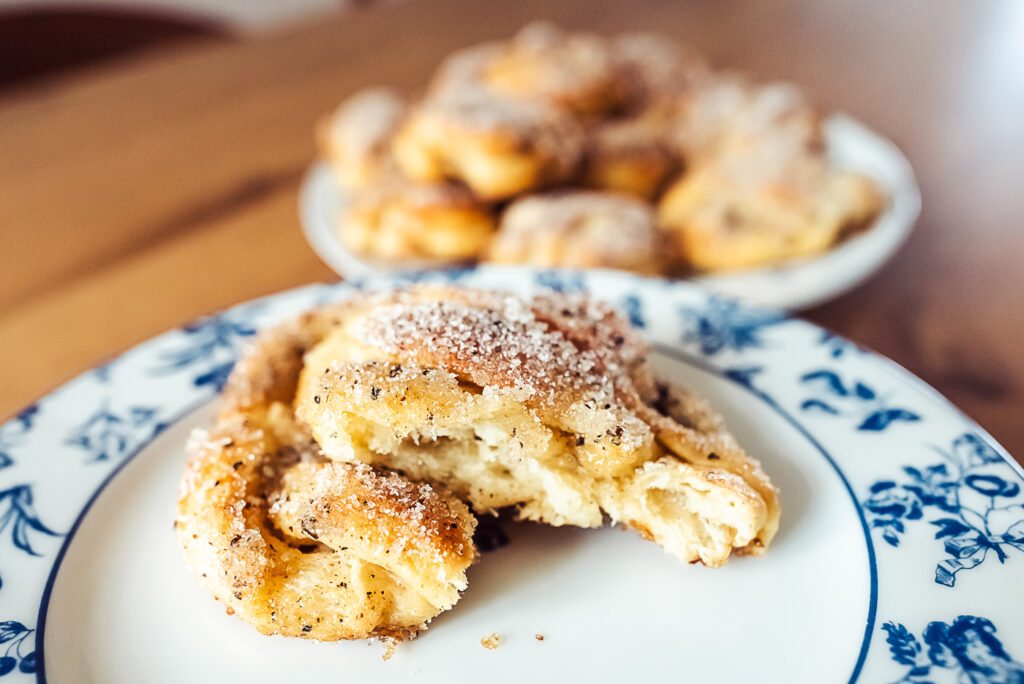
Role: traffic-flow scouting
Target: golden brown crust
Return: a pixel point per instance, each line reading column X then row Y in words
column 301, row 546
column 397, row 219
column 497, row 145
column 631, row 155
column 356, row 137
column 575, row 70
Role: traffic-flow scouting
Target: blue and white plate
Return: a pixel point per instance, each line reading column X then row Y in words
column 900, row 556
column 793, row 285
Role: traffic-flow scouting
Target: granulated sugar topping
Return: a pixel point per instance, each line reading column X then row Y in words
column 556, row 350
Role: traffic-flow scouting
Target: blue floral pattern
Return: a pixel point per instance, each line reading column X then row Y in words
column 12, row 432
column 18, row 514
column 724, row 324
column 975, row 509
column 967, row 647
column 107, row 435
column 212, row 345
column 856, row 399
column 560, row 281
column 744, row 375
column 965, row 503
column 837, row 345
column 633, row 308
column 14, row 634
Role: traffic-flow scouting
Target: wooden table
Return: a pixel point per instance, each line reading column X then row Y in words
column 146, row 192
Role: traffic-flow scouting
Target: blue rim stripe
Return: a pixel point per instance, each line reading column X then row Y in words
column 676, row 354
column 869, row 627
column 895, row 370
column 44, row 602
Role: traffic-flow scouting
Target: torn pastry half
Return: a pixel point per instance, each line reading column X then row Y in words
column 303, row 546
column 545, row 405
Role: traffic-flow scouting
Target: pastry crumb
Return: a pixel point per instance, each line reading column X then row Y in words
column 389, row 647
column 491, row 641
column 538, row 637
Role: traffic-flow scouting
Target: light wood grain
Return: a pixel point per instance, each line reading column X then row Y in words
column 141, row 194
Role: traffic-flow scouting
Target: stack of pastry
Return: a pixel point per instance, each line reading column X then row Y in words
column 332, row 499
column 571, row 149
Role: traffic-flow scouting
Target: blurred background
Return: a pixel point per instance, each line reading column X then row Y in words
column 151, row 155
column 43, row 38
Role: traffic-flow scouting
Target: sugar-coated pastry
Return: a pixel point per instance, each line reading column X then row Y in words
column 630, row 155
column 545, row 405
column 356, row 137
column 576, row 70
column 573, row 70
column 723, row 112
column 581, row 229
column 302, row 546
column 658, row 67
column 736, row 171
column 764, row 205
column 401, row 220
column 498, row 146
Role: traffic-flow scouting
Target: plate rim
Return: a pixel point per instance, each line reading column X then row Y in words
column 649, row 285
column 676, row 355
